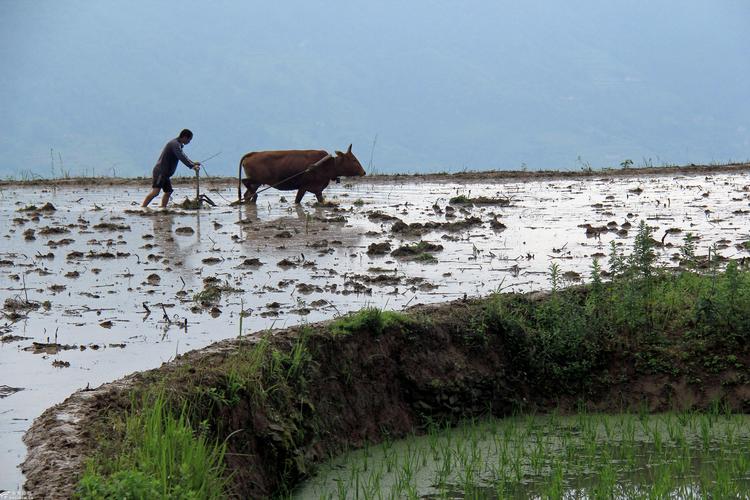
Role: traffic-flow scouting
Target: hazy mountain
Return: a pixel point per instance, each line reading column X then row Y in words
column 443, row 85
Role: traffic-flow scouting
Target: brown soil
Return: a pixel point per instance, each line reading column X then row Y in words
column 357, row 388
column 489, row 175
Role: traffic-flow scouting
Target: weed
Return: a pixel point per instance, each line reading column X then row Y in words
column 162, row 456
column 209, row 295
column 369, row 319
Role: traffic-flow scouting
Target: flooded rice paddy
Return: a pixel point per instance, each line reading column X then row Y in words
column 93, row 287
column 584, row 456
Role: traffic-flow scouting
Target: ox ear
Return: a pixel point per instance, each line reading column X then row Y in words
column 349, row 151
column 339, row 153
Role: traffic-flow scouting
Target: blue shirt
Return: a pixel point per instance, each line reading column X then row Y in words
column 167, row 163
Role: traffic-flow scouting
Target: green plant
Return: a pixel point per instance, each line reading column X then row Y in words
column 209, row 295
column 162, row 456
column 369, row 319
column 643, row 257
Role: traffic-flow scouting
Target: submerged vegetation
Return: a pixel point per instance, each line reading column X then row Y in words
column 260, row 415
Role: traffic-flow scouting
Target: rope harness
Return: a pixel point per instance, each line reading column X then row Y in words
column 308, row 169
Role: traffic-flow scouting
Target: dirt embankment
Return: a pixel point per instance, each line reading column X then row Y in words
column 362, row 386
column 466, row 176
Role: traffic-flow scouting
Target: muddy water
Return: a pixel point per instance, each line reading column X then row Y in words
column 91, row 268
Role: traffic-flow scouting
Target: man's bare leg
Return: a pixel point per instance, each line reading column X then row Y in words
column 165, row 199
column 150, row 196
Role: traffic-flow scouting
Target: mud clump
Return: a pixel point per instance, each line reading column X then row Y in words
column 497, row 225
column 185, row 230
column 378, row 248
column 418, row 229
column 334, row 219
column 12, row 338
column 48, row 230
column 318, row 244
column 189, row 204
column 377, row 216
column 306, row 289
column 253, row 263
column 101, row 255
column 480, row 200
column 60, row 243
column 47, row 207
column 111, row 226
column 6, row 390
column 212, row 292
column 48, row 348
column 416, row 249
column 14, row 305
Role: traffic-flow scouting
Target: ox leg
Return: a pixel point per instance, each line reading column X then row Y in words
column 300, row 194
column 250, row 194
column 319, row 196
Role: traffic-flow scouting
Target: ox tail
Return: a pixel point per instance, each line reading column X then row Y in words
column 239, row 179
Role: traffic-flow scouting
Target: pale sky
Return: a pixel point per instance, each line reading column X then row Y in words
column 416, row 86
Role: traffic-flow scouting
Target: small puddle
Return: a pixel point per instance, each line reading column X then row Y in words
column 585, row 456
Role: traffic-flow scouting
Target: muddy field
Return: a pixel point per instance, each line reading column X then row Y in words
column 94, row 287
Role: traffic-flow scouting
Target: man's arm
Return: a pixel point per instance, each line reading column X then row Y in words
column 177, row 150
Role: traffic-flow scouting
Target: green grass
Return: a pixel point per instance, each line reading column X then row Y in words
column 426, row 258
column 162, row 457
column 369, row 319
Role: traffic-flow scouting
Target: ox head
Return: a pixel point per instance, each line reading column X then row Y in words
column 347, row 165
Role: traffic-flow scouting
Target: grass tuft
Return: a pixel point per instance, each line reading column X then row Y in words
column 162, row 457
column 369, row 319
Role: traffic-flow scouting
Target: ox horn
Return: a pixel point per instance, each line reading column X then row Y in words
column 348, row 151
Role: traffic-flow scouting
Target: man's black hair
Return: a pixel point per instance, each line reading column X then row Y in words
column 186, row 133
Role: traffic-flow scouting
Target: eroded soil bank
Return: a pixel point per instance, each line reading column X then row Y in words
column 326, row 387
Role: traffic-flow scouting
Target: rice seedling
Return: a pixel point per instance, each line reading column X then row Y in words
column 655, row 456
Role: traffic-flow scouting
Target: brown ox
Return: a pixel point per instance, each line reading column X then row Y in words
column 301, row 170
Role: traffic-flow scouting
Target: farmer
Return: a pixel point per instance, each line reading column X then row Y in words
column 166, row 166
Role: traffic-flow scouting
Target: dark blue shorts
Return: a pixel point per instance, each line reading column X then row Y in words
column 162, row 182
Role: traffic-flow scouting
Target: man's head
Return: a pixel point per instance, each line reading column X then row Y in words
column 185, row 136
